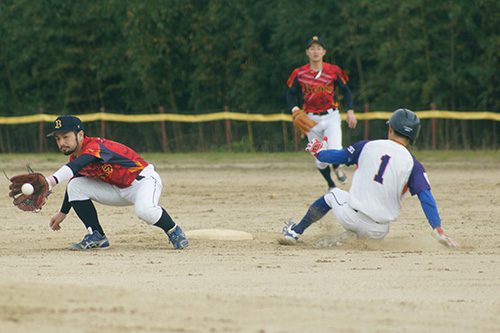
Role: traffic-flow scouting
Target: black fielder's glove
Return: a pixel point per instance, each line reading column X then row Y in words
column 32, row 202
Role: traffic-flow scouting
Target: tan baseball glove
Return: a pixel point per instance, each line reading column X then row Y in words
column 32, row 202
column 302, row 121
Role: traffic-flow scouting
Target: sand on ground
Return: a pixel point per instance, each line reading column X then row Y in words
column 406, row 283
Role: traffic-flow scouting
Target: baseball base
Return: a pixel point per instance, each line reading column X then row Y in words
column 219, row 234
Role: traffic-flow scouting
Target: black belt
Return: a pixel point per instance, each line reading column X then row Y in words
column 320, row 113
column 357, row 211
column 139, row 177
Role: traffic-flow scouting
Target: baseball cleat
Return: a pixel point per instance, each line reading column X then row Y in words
column 341, row 176
column 290, row 237
column 93, row 240
column 177, row 238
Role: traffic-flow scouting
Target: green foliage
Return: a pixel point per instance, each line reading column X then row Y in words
column 196, row 56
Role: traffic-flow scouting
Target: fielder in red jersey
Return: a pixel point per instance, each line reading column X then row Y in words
column 318, row 93
column 116, row 163
column 312, row 88
column 112, row 174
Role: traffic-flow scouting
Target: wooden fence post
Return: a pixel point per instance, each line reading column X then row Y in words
column 433, row 127
column 295, row 139
column 366, row 123
column 228, row 131
column 284, row 128
column 41, row 133
column 103, row 123
column 201, row 137
column 250, row 136
column 164, row 143
column 494, row 146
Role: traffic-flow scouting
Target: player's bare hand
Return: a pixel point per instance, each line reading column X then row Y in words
column 56, row 220
column 439, row 234
column 351, row 119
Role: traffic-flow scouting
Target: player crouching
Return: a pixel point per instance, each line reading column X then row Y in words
column 107, row 172
column 386, row 170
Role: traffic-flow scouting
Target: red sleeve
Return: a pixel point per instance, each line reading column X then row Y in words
column 91, row 147
column 338, row 72
column 343, row 76
column 292, row 77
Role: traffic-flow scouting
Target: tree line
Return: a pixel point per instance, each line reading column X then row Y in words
column 199, row 56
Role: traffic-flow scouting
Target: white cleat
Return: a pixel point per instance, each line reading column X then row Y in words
column 290, row 237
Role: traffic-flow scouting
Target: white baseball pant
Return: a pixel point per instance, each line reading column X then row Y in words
column 328, row 125
column 143, row 194
column 353, row 220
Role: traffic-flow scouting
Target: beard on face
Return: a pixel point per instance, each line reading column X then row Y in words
column 66, row 152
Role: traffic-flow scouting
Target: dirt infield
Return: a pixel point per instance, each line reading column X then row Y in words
column 407, row 283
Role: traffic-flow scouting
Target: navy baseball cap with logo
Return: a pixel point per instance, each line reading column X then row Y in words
column 65, row 124
column 317, row 40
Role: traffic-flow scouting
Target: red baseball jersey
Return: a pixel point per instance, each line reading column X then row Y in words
column 119, row 165
column 318, row 93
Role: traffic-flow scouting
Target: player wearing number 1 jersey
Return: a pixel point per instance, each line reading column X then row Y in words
column 386, row 171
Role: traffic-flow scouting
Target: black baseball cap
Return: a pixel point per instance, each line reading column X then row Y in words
column 317, row 40
column 66, row 124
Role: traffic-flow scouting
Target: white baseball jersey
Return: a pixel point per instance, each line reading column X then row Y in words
column 385, row 172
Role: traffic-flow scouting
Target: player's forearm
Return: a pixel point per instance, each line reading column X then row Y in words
column 63, row 174
column 429, row 207
column 333, row 156
column 68, row 171
column 291, row 100
column 66, row 205
column 346, row 93
column 292, row 95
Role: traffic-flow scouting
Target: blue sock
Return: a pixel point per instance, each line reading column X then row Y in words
column 316, row 211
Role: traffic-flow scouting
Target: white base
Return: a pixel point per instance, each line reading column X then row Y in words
column 218, row 234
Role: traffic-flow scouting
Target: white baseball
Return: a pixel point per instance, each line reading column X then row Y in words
column 27, row 189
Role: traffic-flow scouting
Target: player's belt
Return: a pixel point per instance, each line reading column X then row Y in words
column 139, row 177
column 357, row 211
column 324, row 112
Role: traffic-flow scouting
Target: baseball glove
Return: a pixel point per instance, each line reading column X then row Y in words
column 302, row 121
column 35, row 201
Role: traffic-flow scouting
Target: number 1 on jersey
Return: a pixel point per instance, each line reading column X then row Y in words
column 384, row 160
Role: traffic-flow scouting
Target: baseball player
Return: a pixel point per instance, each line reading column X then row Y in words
column 385, row 172
column 313, row 86
column 110, row 173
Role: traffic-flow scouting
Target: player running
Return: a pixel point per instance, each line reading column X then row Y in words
column 110, row 173
column 313, row 86
column 385, row 172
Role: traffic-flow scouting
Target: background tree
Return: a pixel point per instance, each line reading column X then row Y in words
column 199, row 56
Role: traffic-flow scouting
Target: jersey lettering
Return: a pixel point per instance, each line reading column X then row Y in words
column 317, row 88
column 379, row 177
